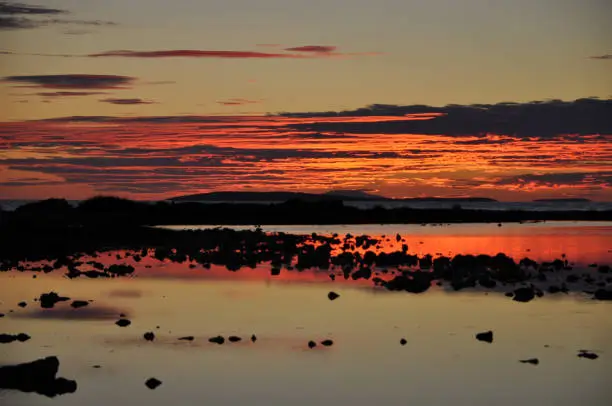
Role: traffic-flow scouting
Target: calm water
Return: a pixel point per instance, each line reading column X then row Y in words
column 441, row 364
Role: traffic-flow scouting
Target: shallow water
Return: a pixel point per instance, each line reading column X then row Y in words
column 441, row 363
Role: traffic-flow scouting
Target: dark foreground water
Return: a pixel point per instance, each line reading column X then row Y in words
column 441, row 364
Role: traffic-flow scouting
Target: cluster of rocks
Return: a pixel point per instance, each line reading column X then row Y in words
column 349, row 257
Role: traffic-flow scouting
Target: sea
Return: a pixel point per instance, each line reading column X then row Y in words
column 439, row 363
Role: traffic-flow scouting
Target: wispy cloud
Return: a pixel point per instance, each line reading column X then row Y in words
column 313, row 48
column 14, row 16
column 237, row 102
column 72, row 81
column 127, row 101
column 602, row 57
column 68, row 94
column 305, row 52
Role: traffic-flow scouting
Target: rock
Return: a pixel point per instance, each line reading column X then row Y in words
column 149, row 336
column 532, row 361
column 234, row 339
column 188, row 338
column 253, row 338
column 217, row 340
column 79, row 303
column 1, row 315
column 96, row 366
column 38, row 376
column 403, row 341
column 9, row 338
column 523, row 295
column 602, row 294
column 311, row 344
column 587, row 354
column 604, row 269
column 333, row 296
column 48, row 300
column 327, row 343
column 487, row 336
column 152, row 383
column 22, row 304
column 123, row 322
column 120, row 269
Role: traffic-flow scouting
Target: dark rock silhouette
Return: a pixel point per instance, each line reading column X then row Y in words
column 234, row 339
column 187, row 338
column 587, row 354
column 532, row 361
column 123, row 322
column 603, row 294
column 149, row 336
column 9, row 338
column 22, row 304
column 333, row 296
column 253, row 338
column 311, row 344
column 403, row 341
column 524, row 295
column 153, row 383
column 217, row 340
column 79, row 303
column 486, row 336
column 48, row 300
column 38, row 376
column 327, row 343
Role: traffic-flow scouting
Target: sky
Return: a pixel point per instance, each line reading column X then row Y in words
column 150, row 99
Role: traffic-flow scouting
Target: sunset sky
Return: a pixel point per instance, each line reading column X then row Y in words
column 151, row 99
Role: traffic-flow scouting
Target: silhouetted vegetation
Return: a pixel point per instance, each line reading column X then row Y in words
column 116, row 212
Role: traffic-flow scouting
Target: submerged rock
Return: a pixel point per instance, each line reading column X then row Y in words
column 486, row 336
column 403, row 341
column 22, row 304
column 149, row 336
column 327, row 343
column 532, row 361
column 123, row 322
column 9, row 338
column 253, row 338
column 311, row 344
column 234, row 339
column 187, row 338
column 333, row 296
column 152, row 383
column 217, row 340
column 38, row 376
column 587, row 354
column 523, row 295
column 79, row 303
column 48, row 300
column 602, row 294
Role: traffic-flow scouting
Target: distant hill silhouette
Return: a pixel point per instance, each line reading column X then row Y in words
column 568, row 200
column 345, row 195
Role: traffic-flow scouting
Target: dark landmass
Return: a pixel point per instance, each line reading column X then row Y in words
column 116, row 212
column 337, row 195
column 38, row 376
column 568, row 200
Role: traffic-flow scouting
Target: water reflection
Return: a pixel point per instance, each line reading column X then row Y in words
column 441, row 363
